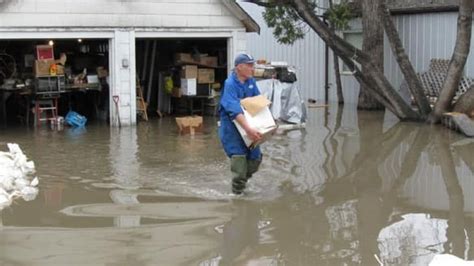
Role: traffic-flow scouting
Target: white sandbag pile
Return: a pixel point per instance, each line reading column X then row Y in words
column 16, row 176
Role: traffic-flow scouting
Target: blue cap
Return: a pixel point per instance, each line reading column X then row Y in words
column 243, row 59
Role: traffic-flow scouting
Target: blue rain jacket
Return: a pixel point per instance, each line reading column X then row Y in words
column 229, row 108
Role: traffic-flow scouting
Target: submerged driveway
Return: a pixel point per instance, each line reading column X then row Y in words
column 350, row 186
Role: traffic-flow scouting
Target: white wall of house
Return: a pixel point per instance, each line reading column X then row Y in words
column 116, row 13
column 121, row 22
column 236, row 45
column 122, row 64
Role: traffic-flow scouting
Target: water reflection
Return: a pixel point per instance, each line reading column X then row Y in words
column 240, row 234
column 418, row 236
column 351, row 187
column 456, row 235
column 358, row 191
column 412, row 240
column 123, row 152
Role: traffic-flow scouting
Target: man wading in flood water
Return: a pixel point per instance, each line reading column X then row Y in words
column 239, row 85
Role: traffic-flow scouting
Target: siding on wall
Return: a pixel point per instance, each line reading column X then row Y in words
column 116, row 13
column 306, row 55
column 424, row 36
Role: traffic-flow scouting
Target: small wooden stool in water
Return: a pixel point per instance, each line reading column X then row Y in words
column 189, row 124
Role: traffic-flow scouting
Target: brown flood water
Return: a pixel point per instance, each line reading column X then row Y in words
column 351, row 188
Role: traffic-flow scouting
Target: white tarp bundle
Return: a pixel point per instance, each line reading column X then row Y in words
column 16, row 176
column 287, row 103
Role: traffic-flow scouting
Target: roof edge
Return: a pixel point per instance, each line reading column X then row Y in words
column 418, row 8
column 250, row 24
column 428, row 9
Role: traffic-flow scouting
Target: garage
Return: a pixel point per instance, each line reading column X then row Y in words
column 180, row 76
column 43, row 79
column 108, row 47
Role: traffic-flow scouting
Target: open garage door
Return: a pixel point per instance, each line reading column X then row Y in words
column 42, row 80
column 180, row 76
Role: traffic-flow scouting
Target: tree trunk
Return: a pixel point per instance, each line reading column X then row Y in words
column 406, row 67
column 340, row 95
column 379, row 85
column 372, row 44
column 458, row 60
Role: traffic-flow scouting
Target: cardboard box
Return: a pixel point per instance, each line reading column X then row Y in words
column 188, row 86
column 189, row 124
column 189, row 72
column 186, row 58
column 259, row 117
column 209, row 61
column 258, row 72
column 183, row 58
column 59, row 70
column 205, row 75
column 42, row 67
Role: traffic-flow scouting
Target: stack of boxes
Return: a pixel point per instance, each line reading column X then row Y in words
column 189, row 75
column 188, row 59
column 45, row 64
column 197, row 77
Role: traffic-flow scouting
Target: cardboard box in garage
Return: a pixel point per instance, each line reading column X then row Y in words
column 209, row 61
column 183, row 58
column 188, row 86
column 42, row 67
column 186, row 58
column 189, row 72
column 205, row 75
